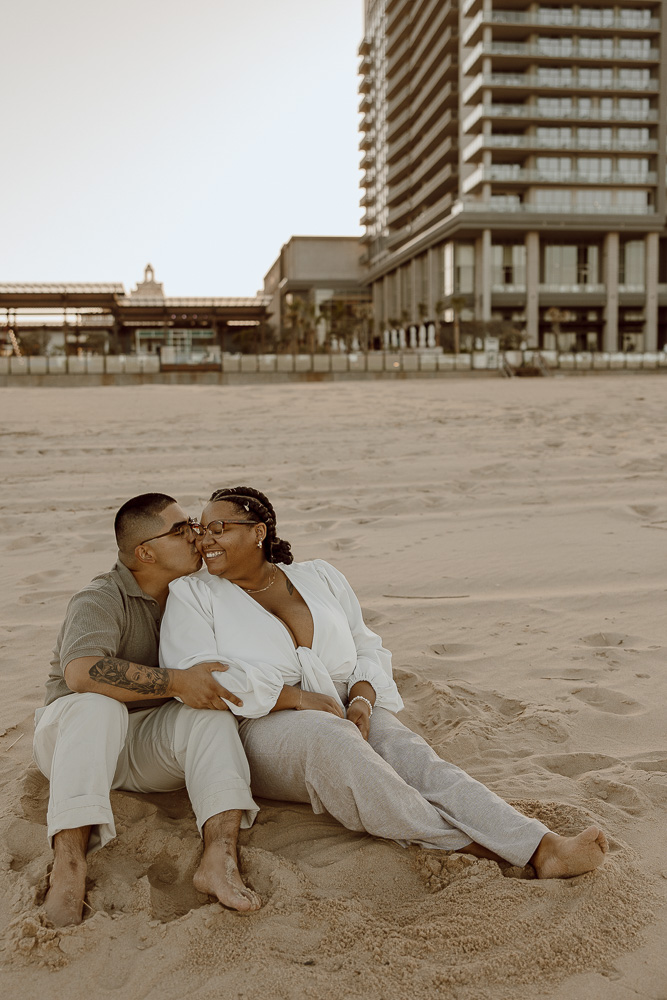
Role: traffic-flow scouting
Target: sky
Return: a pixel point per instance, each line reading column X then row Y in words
column 197, row 136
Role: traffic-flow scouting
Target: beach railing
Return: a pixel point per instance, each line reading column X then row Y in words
column 379, row 362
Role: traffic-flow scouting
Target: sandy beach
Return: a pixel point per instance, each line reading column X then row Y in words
column 507, row 539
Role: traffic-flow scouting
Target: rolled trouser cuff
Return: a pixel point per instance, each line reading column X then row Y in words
column 233, row 794
column 90, row 810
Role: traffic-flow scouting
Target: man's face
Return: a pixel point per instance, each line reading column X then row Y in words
column 175, row 551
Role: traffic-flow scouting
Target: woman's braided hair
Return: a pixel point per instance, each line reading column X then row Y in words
column 245, row 498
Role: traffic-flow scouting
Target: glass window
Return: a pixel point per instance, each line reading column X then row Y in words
column 634, row 48
column 633, row 200
column 595, row 167
column 633, row 166
column 596, row 17
column 593, row 77
column 635, row 18
column 554, row 76
column 555, row 167
column 555, row 15
column 606, row 107
column 464, row 254
column 638, row 78
column 631, row 263
column 596, row 47
column 633, row 138
column 552, row 199
column 508, row 264
column 594, row 138
column 570, row 265
column 553, row 137
column 593, row 200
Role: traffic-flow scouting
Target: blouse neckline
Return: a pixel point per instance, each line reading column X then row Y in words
column 278, row 620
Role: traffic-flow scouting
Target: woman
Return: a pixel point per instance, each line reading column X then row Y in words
column 317, row 720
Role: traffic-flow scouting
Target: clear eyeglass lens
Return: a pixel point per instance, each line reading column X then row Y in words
column 216, row 527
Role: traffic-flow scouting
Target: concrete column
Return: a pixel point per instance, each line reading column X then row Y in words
column 610, row 277
column 651, row 307
column 486, row 275
column 430, row 284
column 378, row 306
column 533, row 289
column 386, row 298
column 396, row 278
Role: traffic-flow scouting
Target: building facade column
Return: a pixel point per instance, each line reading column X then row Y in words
column 651, row 305
column 533, row 289
column 611, row 262
column 483, row 276
column 377, row 289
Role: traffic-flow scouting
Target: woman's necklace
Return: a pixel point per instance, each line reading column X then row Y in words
column 269, row 584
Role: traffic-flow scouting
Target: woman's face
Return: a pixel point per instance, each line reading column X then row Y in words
column 231, row 553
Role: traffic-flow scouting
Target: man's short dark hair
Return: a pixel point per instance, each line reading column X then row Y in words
column 138, row 518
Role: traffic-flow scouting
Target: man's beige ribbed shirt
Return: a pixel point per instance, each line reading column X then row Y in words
column 111, row 616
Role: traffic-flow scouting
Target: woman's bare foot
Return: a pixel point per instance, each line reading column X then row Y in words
column 564, row 857
column 67, row 882
column 218, row 873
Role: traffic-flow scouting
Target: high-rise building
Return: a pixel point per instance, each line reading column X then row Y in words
column 514, row 167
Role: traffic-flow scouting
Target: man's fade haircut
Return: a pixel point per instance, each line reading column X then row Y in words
column 137, row 519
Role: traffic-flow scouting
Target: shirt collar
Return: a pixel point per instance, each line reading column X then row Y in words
column 130, row 585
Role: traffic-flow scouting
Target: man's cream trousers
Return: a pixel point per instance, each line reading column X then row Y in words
column 87, row 744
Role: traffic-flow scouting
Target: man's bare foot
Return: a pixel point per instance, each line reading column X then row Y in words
column 218, row 875
column 564, row 857
column 67, row 882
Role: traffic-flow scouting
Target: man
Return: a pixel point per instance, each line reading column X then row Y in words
column 110, row 719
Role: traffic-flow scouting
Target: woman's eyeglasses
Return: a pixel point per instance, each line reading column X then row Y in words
column 216, row 528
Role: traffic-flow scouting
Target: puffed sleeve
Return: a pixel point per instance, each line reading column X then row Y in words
column 373, row 660
column 187, row 637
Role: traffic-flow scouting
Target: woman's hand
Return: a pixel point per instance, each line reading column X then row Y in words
column 360, row 714
column 311, row 701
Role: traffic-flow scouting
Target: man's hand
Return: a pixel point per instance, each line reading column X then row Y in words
column 360, row 714
column 310, row 700
column 197, row 687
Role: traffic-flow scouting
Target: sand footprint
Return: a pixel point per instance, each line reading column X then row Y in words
column 607, row 700
column 571, row 765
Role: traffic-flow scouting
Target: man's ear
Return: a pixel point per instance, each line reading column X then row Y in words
column 144, row 555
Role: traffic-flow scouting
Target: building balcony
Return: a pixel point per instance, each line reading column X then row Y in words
column 397, row 192
column 522, row 208
column 365, row 103
column 507, row 141
column 577, row 54
column 368, row 179
column 632, row 23
column 399, row 124
column 365, row 46
column 531, row 82
column 367, row 140
column 365, row 65
column 509, row 175
column 532, row 112
column 367, row 160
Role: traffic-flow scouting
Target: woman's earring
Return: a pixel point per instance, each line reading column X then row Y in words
column 259, row 544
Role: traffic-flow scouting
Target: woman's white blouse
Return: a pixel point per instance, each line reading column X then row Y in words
column 208, row 619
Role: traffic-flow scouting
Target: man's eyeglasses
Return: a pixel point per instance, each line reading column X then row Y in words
column 183, row 528
column 216, row 528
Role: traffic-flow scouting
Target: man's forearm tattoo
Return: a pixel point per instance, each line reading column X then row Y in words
column 130, row 676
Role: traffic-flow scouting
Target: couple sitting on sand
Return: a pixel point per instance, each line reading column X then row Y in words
column 265, row 674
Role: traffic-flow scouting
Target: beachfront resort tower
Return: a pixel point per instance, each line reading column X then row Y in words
column 514, row 167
